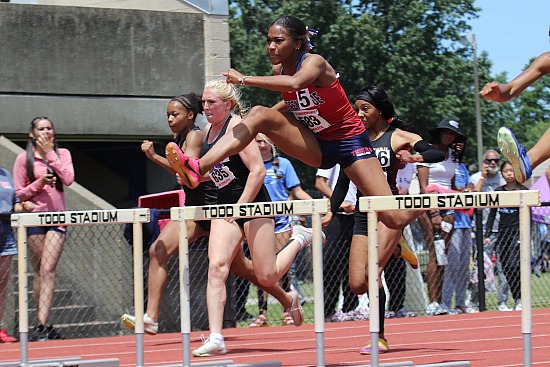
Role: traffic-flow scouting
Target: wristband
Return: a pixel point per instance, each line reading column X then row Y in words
column 242, row 79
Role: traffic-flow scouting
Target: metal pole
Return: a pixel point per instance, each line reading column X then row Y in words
column 319, row 304
column 478, row 108
column 525, row 271
column 185, row 292
column 372, row 271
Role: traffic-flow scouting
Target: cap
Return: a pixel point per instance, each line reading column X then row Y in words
column 450, row 124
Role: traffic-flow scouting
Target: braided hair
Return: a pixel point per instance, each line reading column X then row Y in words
column 274, row 155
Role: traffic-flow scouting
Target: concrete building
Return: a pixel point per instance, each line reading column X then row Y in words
column 104, row 71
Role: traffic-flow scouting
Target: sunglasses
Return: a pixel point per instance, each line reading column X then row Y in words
column 492, row 160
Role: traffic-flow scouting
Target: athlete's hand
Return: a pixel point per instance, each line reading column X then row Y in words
column 491, row 92
column 325, row 220
column 232, row 76
column 405, row 156
column 147, row 147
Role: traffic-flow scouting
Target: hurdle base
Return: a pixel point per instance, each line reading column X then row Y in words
column 65, row 362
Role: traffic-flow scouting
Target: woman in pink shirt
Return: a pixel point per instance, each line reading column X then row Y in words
column 39, row 175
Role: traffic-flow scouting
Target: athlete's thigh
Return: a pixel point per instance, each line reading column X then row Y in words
column 261, row 240
column 291, row 136
column 369, row 178
column 223, row 241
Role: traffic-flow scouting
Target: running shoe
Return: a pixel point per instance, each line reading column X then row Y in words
column 287, row 319
column 187, row 168
column 304, row 235
column 150, row 327
column 407, row 253
column 515, row 152
column 38, row 334
column 209, row 349
column 295, row 311
column 383, row 347
column 403, row 313
column 5, row 338
column 260, row 321
column 518, row 306
column 53, row 334
column 503, row 307
column 435, row 309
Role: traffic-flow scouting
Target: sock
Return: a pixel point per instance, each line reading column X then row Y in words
column 217, row 338
column 382, row 308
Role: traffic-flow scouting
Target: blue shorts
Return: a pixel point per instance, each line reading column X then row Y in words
column 44, row 229
column 282, row 224
column 8, row 246
column 346, row 151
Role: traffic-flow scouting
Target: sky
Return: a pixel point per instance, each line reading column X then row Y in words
column 512, row 32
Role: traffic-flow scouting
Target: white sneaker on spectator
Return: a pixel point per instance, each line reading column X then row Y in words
column 404, row 313
column 518, row 305
column 435, row 309
column 503, row 307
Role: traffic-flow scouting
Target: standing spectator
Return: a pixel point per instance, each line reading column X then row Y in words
column 280, row 180
column 507, row 241
column 438, row 224
column 336, row 250
column 8, row 247
column 455, row 280
column 486, row 180
column 39, row 175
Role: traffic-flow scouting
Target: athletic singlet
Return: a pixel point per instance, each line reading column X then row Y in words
column 387, row 158
column 231, row 174
column 324, row 110
column 205, row 193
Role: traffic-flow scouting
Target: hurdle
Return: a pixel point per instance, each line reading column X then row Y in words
column 71, row 218
column 524, row 199
column 314, row 208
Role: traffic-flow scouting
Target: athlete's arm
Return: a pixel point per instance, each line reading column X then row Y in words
column 313, row 68
column 504, row 92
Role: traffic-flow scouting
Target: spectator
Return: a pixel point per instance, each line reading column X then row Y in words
column 39, row 175
column 486, row 180
column 336, row 250
column 8, row 247
column 280, row 180
column 455, row 279
column 507, row 241
column 437, row 224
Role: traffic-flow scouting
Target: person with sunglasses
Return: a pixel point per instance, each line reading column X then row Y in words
column 488, row 179
column 523, row 161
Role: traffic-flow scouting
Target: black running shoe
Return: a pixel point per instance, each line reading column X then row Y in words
column 38, row 334
column 53, row 334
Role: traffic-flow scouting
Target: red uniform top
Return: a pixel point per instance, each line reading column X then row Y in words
column 325, row 111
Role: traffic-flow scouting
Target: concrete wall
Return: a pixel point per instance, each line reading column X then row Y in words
column 104, row 71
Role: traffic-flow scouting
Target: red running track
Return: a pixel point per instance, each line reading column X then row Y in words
column 488, row 339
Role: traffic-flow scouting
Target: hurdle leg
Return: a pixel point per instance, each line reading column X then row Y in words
column 138, row 288
column 372, row 268
column 525, row 271
column 185, row 296
column 319, row 298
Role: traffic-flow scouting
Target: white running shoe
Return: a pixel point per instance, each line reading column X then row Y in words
column 295, row 310
column 304, row 235
column 150, row 327
column 209, row 349
column 503, row 307
column 518, row 305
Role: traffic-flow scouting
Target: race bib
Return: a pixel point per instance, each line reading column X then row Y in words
column 312, row 120
column 221, row 176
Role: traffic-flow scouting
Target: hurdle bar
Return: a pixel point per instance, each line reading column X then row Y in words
column 71, row 218
column 314, row 208
column 524, row 199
